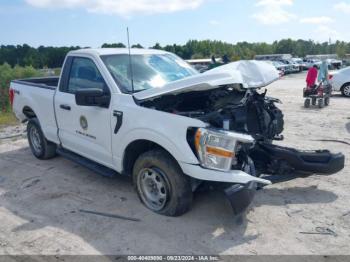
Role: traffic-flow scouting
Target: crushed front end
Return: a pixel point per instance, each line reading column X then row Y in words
column 237, row 146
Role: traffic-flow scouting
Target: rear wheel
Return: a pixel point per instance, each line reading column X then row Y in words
column 40, row 147
column 345, row 90
column 320, row 103
column 161, row 185
column 307, row 103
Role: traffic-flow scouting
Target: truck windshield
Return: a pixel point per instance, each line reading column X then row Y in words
column 149, row 71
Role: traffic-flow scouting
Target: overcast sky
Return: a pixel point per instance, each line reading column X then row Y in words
column 94, row 22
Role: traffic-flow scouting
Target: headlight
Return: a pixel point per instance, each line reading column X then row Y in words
column 216, row 149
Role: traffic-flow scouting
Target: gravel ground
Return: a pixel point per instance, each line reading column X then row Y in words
column 12, row 132
column 40, row 201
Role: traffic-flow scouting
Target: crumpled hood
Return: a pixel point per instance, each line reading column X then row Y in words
column 255, row 74
column 250, row 74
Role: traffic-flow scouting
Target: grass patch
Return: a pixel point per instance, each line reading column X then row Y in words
column 7, row 119
column 57, row 71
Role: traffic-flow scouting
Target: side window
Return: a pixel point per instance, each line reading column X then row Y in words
column 84, row 75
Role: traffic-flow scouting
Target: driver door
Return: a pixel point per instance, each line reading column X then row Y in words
column 85, row 130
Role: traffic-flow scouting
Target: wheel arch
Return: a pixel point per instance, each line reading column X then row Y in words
column 344, row 85
column 29, row 112
column 137, row 147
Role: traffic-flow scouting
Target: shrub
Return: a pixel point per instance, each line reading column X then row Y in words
column 7, row 74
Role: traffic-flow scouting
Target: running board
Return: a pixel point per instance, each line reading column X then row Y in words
column 93, row 166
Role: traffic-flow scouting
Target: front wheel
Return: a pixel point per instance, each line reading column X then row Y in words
column 40, row 147
column 161, row 185
column 345, row 90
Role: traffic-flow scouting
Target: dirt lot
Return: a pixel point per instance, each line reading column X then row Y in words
column 40, row 202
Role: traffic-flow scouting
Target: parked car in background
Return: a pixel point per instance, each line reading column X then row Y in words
column 334, row 63
column 294, row 67
column 311, row 62
column 284, row 62
column 300, row 62
column 340, row 81
column 279, row 66
column 288, row 69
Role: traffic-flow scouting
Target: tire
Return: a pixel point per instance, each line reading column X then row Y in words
column 307, row 103
column 161, row 185
column 345, row 90
column 313, row 101
column 320, row 103
column 40, row 147
column 326, row 101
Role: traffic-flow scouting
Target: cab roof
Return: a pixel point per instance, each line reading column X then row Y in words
column 116, row 51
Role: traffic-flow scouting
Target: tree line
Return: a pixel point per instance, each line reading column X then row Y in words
column 244, row 50
column 20, row 61
column 52, row 57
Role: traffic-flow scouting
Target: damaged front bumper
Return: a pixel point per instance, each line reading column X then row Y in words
column 281, row 163
column 232, row 176
column 274, row 159
column 300, row 164
column 242, row 187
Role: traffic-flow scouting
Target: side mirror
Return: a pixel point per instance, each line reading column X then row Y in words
column 92, row 97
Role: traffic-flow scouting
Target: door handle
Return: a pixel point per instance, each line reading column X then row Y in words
column 65, row 107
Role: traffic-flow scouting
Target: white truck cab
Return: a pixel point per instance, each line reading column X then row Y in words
column 150, row 115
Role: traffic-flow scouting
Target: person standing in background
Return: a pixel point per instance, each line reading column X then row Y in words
column 323, row 73
column 311, row 77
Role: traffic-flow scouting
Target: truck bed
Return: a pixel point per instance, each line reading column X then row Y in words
column 42, row 82
column 35, row 96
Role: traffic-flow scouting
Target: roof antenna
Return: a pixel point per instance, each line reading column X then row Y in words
column 130, row 62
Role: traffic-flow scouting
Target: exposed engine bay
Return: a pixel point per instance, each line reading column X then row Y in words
column 249, row 111
column 228, row 107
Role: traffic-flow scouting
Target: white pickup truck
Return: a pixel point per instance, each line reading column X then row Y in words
column 151, row 116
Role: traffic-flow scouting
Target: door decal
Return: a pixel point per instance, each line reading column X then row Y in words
column 83, row 122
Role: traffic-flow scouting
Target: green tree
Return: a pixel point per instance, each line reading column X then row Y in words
column 137, row 46
column 115, row 45
column 157, row 46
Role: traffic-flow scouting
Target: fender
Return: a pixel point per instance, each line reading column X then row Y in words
column 181, row 152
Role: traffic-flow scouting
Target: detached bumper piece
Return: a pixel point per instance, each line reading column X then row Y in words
column 279, row 160
column 283, row 164
column 240, row 196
